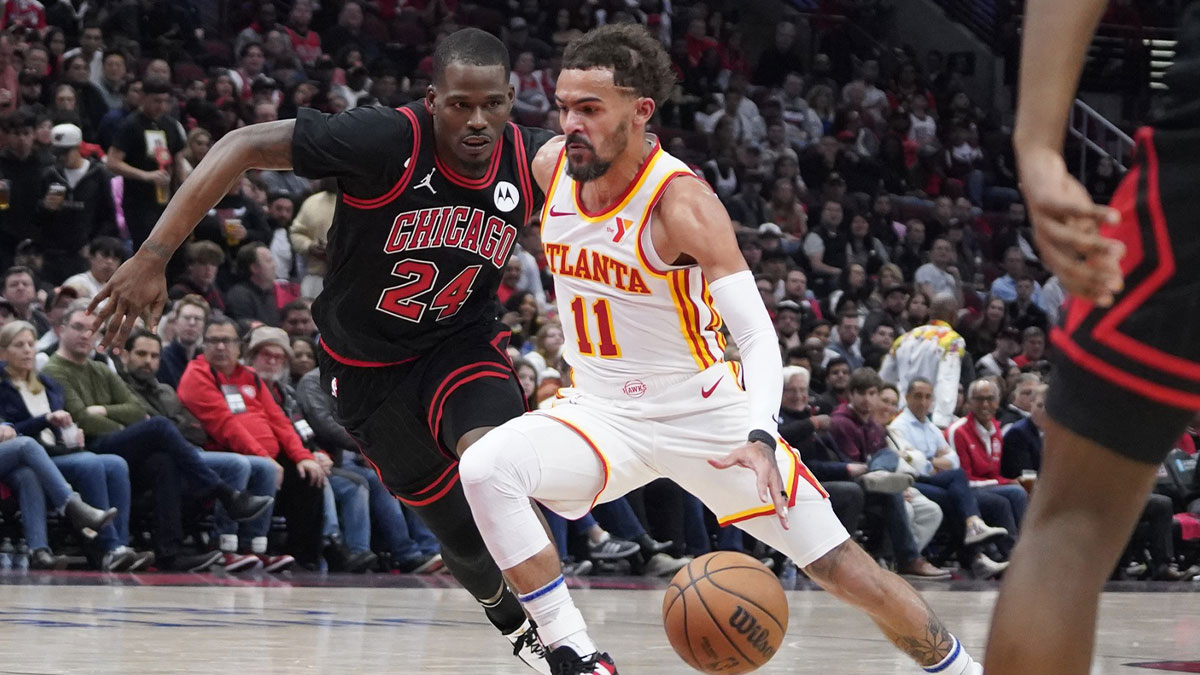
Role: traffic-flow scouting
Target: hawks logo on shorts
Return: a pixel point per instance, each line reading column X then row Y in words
column 625, row 313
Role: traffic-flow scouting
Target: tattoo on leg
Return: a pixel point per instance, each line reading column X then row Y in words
column 930, row 647
column 827, row 565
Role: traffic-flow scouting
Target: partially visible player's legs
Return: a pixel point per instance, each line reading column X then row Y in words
column 382, row 409
column 1087, row 502
column 819, row 544
column 853, row 577
column 534, row 457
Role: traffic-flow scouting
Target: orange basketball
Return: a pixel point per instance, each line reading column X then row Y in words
column 725, row 613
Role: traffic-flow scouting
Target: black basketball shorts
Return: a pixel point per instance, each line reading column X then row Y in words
column 1128, row 376
column 407, row 418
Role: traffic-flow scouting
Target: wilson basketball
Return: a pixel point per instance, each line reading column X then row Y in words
column 725, row 613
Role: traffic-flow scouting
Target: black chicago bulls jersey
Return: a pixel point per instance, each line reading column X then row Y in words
column 416, row 251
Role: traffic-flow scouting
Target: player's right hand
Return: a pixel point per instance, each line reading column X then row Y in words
column 1066, row 228
column 138, row 289
column 761, row 460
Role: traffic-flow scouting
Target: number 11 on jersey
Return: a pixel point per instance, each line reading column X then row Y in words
column 609, row 349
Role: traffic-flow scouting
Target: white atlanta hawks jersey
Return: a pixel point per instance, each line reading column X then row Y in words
column 625, row 313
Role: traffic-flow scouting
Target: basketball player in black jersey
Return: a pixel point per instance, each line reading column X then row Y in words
column 1127, row 369
column 432, row 197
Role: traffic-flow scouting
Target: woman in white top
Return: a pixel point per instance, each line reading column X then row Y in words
column 24, row 463
column 547, row 350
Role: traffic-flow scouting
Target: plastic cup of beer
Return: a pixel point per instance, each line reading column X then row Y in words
column 231, row 225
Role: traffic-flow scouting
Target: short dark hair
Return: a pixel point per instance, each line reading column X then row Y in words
column 21, row 119
column 469, row 46
column 636, row 58
column 107, row 246
column 296, row 305
column 114, row 51
column 139, row 333
column 847, row 315
column 247, row 255
column 888, row 385
column 220, row 320
column 246, row 48
column 836, row 361
column 863, row 379
column 155, row 85
column 918, row 380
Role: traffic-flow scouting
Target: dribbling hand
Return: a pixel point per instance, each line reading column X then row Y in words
column 761, row 460
column 1066, row 228
column 138, row 289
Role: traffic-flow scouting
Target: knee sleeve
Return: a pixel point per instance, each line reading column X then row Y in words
column 499, row 473
column 503, row 462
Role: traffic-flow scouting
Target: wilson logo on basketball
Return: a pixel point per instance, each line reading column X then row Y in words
column 635, row 389
column 757, row 636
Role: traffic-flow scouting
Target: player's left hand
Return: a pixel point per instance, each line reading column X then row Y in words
column 761, row 460
column 1066, row 227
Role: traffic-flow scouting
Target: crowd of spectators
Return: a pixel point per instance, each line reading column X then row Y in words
column 873, row 199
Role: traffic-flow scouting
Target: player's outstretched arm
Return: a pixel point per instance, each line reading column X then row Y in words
column 695, row 225
column 1056, row 37
column 139, row 287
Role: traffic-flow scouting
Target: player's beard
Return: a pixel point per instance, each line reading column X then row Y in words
column 582, row 173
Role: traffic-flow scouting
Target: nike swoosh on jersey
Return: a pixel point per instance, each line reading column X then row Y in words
column 555, row 214
column 708, row 392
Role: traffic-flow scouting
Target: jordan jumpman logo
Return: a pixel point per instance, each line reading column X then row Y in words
column 425, row 182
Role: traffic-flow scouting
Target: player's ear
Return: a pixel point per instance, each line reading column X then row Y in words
column 430, row 96
column 643, row 110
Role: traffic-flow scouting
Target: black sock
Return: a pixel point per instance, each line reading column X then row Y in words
column 506, row 615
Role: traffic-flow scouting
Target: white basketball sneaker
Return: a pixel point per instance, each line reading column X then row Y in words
column 528, row 647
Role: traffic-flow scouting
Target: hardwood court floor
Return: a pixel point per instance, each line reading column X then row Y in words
column 92, row 623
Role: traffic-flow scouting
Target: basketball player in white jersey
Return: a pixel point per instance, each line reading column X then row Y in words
column 646, row 269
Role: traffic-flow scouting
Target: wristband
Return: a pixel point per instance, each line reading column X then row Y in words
column 763, row 437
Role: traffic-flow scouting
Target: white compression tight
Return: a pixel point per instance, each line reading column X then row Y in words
column 506, row 467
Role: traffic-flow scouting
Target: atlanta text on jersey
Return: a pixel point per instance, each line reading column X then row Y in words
column 453, row 226
column 595, row 266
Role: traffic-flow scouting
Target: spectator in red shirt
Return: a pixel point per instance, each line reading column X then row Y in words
column 1033, row 347
column 239, row 414
column 28, row 13
column 977, row 440
column 305, row 42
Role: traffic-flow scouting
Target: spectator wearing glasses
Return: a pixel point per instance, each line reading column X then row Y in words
column 977, row 441
column 347, row 525
column 190, row 314
column 943, row 480
column 239, row 413
column 115, row 423
column 258, row 475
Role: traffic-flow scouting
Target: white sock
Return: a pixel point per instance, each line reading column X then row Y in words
column 559, row 622
column 258, row 545
column 957, row 662
column 229, row 543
